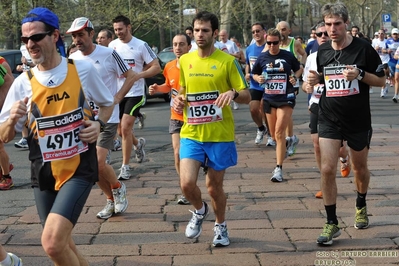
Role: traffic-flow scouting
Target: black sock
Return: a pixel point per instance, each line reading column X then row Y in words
column 361, row 200
column 262, row 128
column 280, row 166
column 331, row 214
column 7, row 176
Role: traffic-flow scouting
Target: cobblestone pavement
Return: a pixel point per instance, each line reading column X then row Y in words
column 269, row 223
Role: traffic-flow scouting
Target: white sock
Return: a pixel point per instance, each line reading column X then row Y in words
column 6, row 261
column 202, row 210
column 224, row 224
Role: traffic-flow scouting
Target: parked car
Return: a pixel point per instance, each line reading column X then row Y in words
column 166, row 56
column 13, row 58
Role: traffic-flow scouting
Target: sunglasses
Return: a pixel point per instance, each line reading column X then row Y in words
column 36, row 37
column 274, row 43
column 319, row 34
column 255, row 31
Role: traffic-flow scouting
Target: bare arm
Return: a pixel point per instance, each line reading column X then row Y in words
column 300, row 51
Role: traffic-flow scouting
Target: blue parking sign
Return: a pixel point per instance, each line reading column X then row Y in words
column 386, row 17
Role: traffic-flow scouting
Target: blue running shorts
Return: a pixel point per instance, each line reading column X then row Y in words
column 216, row 155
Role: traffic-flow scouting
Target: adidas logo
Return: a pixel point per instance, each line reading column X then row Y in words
column 213, row 67
column 50, row 83
column 97, row 62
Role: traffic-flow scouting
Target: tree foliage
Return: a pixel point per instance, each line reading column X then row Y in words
column 156, row 21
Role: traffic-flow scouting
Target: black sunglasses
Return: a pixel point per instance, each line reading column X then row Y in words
column 35, row 37
column 319, row 34
column 255, row 31
column 274, row 43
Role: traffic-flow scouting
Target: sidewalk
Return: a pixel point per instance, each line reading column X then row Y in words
column 269, row 223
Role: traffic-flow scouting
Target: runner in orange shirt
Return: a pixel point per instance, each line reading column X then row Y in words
column 181, row 45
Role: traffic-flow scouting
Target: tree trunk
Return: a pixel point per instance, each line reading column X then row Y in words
column 225, row 14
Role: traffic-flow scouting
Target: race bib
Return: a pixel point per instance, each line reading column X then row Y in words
column 59, row 135
column 318, row 90
column 94, row 108
column 336, row 85
column 201, row 110
column 276, row 84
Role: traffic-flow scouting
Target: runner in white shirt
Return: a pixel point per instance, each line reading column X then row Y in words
column 136, row 54
column 110, row 66
column 379, row 45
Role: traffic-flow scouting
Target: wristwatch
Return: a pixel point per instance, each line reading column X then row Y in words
column 102, row 125
column 236, row 94
column 361, row 74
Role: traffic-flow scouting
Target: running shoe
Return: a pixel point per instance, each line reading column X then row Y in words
column 182, row 201
column 395, row 99
column 221, row 236
column 6, row 183
column 319, row 195
column 234, row 105
column 270, row 142
column 194, row 226
column 9, row 170
column 292, row 147
column 361, row 218
column 139, row 150
column 120, row 200
column 124, row 173
column 15, row 260
column 117, row 145
column 21, row 144
column 345, row 167
column 330, row 231
column 108, row 210
column 141, row 120
column 277, row 175
column 259, row 136
column 108, row 158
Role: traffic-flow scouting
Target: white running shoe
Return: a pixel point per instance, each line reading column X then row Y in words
column 234, row 105
column 139, row 150
column 141, row 120
column 15, row 260
column 21, row 144
column 182, row 201
column 292, row 147
column 120, row 200
column 117, row 145
column 124, row 173
column 270, row 142
column 108, row 210
column 221, row 236
column 259, row 136
column 277, row 175
column 194, row 226
column 108, row 158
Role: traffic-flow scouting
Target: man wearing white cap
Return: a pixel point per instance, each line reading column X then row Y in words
column 391, row 45
column 110, row 66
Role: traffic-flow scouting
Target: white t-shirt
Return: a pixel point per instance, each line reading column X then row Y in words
column 231, row 47
column 110, row 66
column 381, row 45
column 311, row 64
column 92, row 85
column 136, row 53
